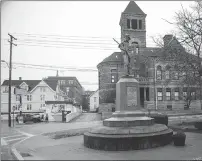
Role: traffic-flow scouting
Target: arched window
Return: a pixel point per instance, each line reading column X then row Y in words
column 159, row 73
column 167, row 72
column 176, row 73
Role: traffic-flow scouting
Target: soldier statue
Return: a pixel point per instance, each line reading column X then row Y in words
column 124, row 46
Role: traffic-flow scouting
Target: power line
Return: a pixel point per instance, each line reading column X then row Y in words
column 69, row 67
column 56, row 68
column 62, row 36
column 63, row 42
column 65, row 46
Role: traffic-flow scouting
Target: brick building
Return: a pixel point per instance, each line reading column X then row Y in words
column 70, row 86
column 150, row 62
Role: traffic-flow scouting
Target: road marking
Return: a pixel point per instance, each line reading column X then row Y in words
column 24, row 133
column 15, row 139
column 3, row 142
column 12, row 136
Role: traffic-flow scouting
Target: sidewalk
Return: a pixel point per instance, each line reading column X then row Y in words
column 52, row 127
column 72, row 148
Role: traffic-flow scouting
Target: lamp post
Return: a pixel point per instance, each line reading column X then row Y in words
column 154, row 80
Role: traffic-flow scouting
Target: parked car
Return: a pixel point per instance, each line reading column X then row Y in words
column 30, row 117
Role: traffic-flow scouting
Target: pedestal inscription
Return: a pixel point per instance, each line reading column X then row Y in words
column 131, row 96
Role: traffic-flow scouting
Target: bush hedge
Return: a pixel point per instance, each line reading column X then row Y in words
column 198, row 125
column 179, row 138
column 107, row 95
column 160, row 118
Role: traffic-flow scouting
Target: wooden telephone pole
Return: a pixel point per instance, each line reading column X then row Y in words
column 10, row 78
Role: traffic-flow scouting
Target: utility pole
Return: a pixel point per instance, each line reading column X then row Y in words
column 10, row 73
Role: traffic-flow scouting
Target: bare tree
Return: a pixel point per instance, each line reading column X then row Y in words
column 185, row 49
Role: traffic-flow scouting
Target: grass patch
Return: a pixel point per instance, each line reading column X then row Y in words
column 67, row 133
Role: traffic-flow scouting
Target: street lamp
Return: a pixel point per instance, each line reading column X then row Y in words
column 154, row 57
column 3, row 61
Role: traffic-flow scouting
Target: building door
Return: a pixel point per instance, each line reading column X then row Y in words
column 142, row 97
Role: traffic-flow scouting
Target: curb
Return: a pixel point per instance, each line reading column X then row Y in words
column 14, row 151
column 16, row 154
column 188, row 114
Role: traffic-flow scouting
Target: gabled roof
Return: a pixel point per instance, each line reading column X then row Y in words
column 94, row 92
column 115, row 57
column 133, row 8
column 30, row 83
column 52, row 83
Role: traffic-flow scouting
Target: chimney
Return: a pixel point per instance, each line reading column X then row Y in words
column 20, row 78
column 167, row 39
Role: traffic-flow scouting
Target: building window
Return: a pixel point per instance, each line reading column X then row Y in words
column 114, row 76
column 168, row 94
column 71, row 81
column 29, row 97
column 159, row 73
column 29, row 107
column 134, row 24
column 176, row 94
column 185, row 93
column 159, row 94
column 42, row 97
column 167, row 72
column 94, row 99
column 140, row 24
column 193, row 94
column 6, row 89
column 44, row 89
column 128, row 23
column 17, row 98
column 176, row 75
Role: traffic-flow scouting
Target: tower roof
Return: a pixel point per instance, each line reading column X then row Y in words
column 133, row 8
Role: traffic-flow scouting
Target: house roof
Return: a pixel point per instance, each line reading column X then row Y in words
column 133, row 8
column 114, row 57
column 94, row 92
column 52, row 84
column 30, row 83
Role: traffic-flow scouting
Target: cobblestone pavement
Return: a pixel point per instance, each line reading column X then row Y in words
column 72, row 148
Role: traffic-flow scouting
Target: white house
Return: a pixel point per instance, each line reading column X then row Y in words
column 38, row 91
column 94, row 101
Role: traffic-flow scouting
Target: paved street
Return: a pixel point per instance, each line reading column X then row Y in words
column 10, row 136
column 72, row 148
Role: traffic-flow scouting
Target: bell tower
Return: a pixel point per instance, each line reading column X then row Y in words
column 133, row 23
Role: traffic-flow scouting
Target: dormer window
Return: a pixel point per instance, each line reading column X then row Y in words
column 134, row 24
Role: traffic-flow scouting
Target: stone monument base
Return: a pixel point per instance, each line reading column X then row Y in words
column 128, row 131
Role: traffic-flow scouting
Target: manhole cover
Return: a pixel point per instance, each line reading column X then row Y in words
column 25, row 154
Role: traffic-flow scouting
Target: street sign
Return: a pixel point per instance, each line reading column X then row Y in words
column 20, row 91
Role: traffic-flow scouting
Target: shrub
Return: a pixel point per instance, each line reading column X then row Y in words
column 198, row 125
column 179, row 138
column 160, row 118
column 107, row 95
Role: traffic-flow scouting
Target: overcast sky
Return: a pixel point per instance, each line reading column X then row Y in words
column 67, row 33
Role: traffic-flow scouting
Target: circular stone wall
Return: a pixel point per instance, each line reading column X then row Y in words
column 116, row 139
